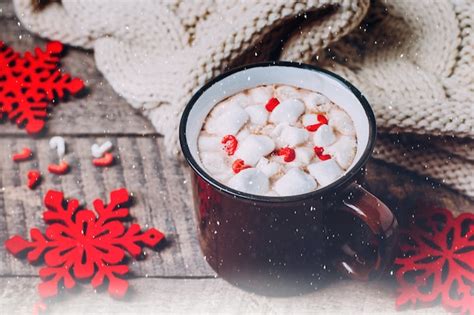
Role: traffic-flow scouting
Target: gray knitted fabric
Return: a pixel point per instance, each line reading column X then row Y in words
column 412, row 59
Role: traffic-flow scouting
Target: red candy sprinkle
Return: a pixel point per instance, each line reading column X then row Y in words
column 319, row 151
column 239, row 165
column 24, row 155
column 271, row 104
column 230, row 144
column 106, row 160
column 60, row 169
column 313, row 128
column 287, row 153
column 34, row 177
column 322, row 121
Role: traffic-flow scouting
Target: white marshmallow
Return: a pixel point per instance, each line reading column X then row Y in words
column 324, row 136
column 237, row 100
column 258, row 114
column 251, row 181
column 216, row 165
column 294, row 182
column 253, row 148
column 343, row 150
column 276, row 132
column 342, row 122
column 244, row 133
column 229, row 122
column 287, row 111
column 209, row 144
column 286, row 92
column 303, row 156
column 292, row 136
column 267, row 167
column 325, row 172
column 313, row 100
column 260, row 95
column 309, row 119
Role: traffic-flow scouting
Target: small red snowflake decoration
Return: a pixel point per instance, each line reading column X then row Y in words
column 82, row 244
column 437, row 261
column 29, row 83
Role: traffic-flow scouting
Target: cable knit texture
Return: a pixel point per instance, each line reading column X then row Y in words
column 412, row 59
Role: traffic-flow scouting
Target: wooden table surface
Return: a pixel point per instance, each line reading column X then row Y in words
column 175, row 279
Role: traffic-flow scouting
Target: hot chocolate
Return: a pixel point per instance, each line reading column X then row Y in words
column 277, row 140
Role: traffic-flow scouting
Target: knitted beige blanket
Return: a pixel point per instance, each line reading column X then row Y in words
column 413, row 59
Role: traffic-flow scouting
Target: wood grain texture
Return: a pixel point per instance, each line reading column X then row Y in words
column 104, row 111
column 208, row 296
column 6, row 9
column 159, row 186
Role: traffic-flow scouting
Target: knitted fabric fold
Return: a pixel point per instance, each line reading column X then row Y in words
column 412, row 59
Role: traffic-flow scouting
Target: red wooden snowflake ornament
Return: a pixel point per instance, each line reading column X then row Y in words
column 437, row 261
column 82, row 244
column 29, row 83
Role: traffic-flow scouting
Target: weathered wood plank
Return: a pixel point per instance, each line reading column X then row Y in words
column 208, row 296
column 6, row 9
column 101, row 111
column 161, row 198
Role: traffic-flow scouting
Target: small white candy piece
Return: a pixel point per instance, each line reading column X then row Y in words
column 99, row 150
column 258, row 114
column 287, row 111
column 342, row 122
column 228, row 122
column 292, row 136
column 325, row 172
column 253, row 148
column 59, row 144
column 267, row 167
column 309, row 119
column 294, row 182
column 261, row 95
column 208, row 144
column 324, row 136
column 343, row 150
column 313, row 100
column 251, row 181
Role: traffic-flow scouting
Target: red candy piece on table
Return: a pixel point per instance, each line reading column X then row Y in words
column 271, row 104
column 436, row 262
column 84, row 244
column 287, row 153
column 24, row 155
column 34, row 178
column 239, row 165
column 230, row 144
column 30, row 82
column 319, row 151
column 106, row 160
column 322, row 121
column 60, row 169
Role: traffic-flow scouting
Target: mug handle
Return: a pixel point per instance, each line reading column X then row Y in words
column 379, row 248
